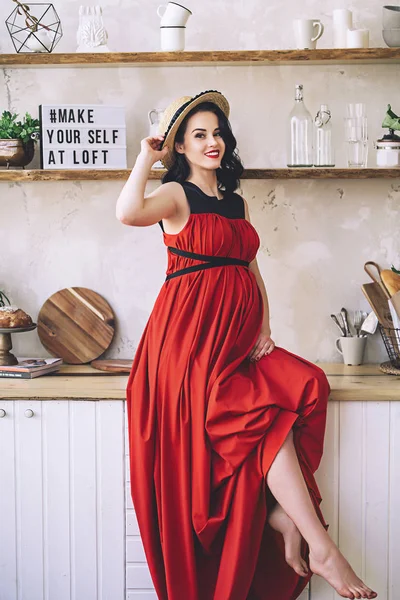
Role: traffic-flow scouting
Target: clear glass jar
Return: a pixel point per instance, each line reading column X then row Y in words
column 299, row 145
column 323, row 143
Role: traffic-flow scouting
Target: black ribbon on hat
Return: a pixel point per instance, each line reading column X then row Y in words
column 184, row 106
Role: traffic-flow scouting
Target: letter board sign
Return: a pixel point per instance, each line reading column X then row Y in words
column 82, row 136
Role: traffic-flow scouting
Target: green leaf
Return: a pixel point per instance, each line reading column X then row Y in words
column 10, row 128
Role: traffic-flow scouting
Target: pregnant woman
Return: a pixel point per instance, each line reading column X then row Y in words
column 226, row 429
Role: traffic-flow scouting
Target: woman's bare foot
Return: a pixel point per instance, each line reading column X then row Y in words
column 281, row 522
column 332, row 566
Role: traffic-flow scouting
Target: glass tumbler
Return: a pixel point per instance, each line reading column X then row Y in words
column 356, row 135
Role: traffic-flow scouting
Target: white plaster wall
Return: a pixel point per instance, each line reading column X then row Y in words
column 315, row 235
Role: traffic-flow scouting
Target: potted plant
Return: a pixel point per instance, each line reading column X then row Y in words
column 17, row 139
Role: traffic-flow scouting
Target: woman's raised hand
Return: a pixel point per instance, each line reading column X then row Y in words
column 150, row 148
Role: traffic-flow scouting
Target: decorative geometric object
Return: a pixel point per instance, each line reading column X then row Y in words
column 34, row 27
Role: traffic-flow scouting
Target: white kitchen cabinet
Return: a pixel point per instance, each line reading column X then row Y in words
column 62, row 503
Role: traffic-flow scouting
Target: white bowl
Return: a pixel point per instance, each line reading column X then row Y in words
column 390, row 17
column 392, row 37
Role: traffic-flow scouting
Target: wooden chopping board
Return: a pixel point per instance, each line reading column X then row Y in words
column 76, row 324
column 379, row 303
column 114, row 365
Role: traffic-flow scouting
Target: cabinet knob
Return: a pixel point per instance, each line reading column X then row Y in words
column 29, row 413
column 2, row 413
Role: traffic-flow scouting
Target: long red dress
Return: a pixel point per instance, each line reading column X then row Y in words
column 205, row 423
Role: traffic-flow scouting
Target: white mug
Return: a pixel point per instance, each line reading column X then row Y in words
column 352, row 349
column 342, row 21
column 173, row 14
column 307, row 32
column 357, row 38
column 172, row 39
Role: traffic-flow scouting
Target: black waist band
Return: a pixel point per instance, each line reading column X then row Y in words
column 211, row 261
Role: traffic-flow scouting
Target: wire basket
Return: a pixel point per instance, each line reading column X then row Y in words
column 391, row 339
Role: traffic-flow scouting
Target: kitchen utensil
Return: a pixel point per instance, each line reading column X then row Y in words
column 391, row 281
column 76, row 324
column 395, row 317
column 352, row 349
column 357, row 321
column 391, row 16
column 342, row 21
column 172, row 38
column 335, row 320
column 343, row 312
column 307, row 32
column 6, row 357
column 357, row 38
column 339, row 317
column 388, row 151
column 370, row 267
column 173, row 14
column 356, row 136
column 391, row 339
column 154, row 117
column 113, row 365
column 394, row 307
column 370, row 323
column 391, row 37
column 379, row 302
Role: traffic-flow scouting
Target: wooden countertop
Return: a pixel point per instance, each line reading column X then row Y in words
column 365, row 382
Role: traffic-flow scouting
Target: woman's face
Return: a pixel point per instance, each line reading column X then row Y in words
column 202, row 144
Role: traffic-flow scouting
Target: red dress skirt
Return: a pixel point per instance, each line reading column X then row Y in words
column 205, row 423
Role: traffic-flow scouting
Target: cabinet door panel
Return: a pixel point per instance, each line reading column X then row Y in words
column 83, row 499
column 8, row 542
column 29, row 500
column 57, row 489
column 110, row 499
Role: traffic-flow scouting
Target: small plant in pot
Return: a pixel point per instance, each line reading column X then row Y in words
column 17, row 139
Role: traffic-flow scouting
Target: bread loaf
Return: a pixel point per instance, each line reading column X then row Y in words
column 11, row 316
column 391, row 281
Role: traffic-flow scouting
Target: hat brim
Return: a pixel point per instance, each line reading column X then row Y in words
column 215, row 97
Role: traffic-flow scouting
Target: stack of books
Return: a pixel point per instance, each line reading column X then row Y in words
column 28, row 368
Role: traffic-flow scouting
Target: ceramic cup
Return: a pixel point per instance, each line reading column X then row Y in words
column 173, row 15
column 342, row 21
column 307, row 32
column 352, row 349
column 357, row 38
column 172, row 39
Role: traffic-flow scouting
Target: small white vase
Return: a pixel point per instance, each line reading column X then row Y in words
column 39, row 41
column 91, row 35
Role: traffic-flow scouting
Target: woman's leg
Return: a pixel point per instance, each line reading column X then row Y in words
column 286, row 482
column 279, row 521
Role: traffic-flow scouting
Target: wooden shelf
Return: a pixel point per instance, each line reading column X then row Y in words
column 334, row 56
column 122, row 174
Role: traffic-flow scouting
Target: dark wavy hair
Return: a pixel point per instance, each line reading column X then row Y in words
column 228, row 174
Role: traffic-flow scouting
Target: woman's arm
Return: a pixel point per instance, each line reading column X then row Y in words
column 132, row 207
column 254, row 268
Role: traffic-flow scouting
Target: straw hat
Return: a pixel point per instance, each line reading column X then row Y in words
column 177, row 111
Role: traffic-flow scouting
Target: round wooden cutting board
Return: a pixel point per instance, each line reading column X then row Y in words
column 76, row 324
column 114, row 365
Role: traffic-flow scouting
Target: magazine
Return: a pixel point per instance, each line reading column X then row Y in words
column 27, row 375
column 30, row 365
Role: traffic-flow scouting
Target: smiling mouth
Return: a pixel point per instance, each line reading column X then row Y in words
column 214, row 154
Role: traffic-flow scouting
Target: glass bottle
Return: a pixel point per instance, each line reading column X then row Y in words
column 323, row 144
column 300, row 134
